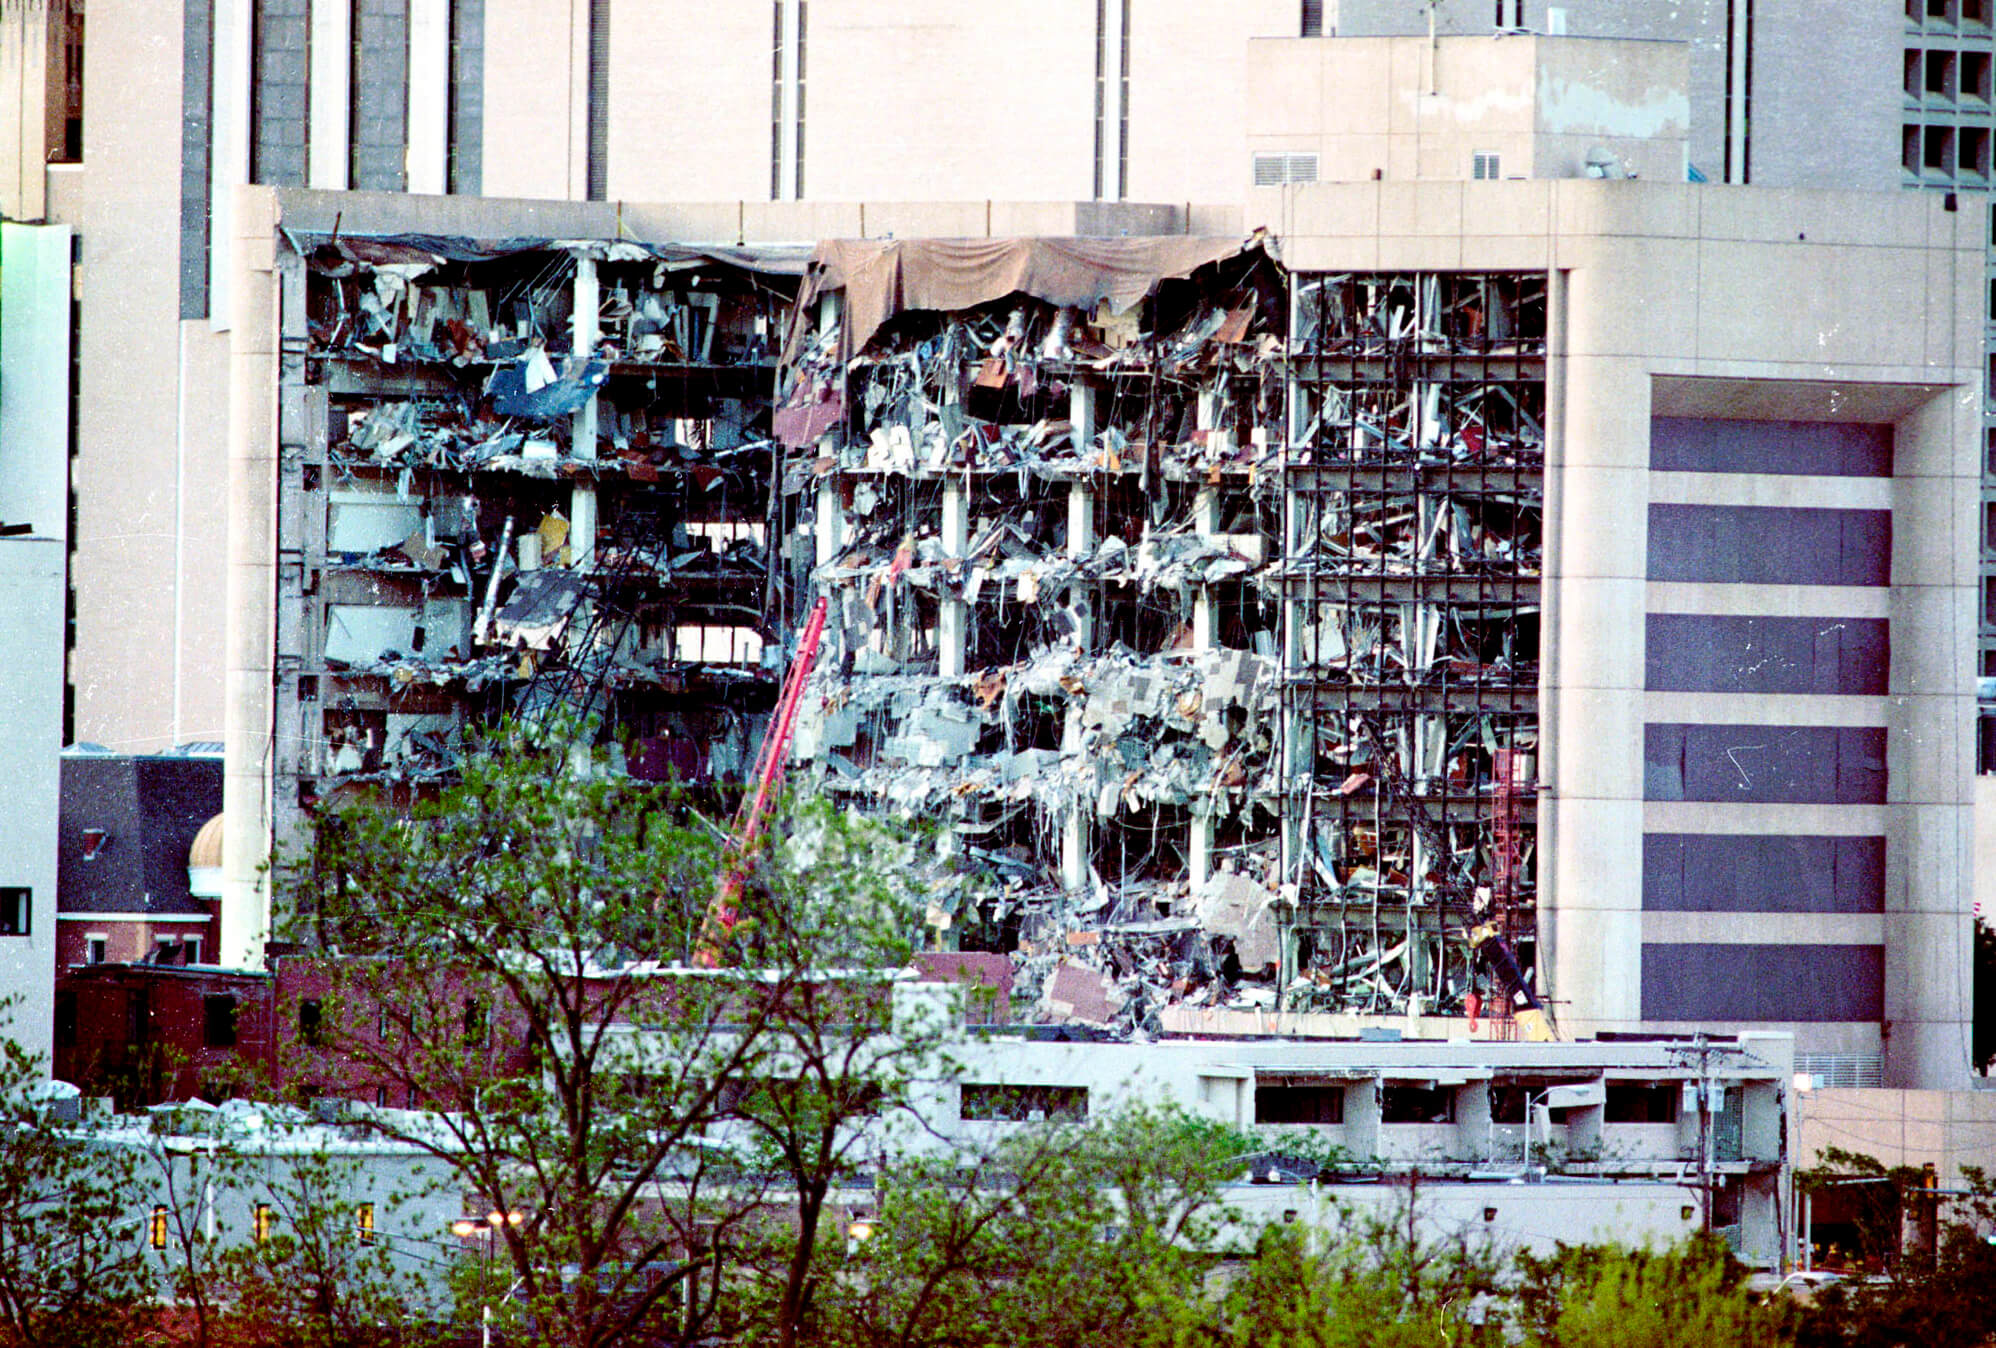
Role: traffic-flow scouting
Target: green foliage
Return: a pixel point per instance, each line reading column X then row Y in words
column 1058, row 1236
column 1684, row 1297
column 521, row 954
column 1359, row 1279
column 71, row 1271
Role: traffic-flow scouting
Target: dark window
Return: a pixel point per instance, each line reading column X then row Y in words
column 1804, row 983
column 1762, row 873
column 311, row 1022
column 797, row 168
column 1642, row 1102
column 1713, row 653
column 1724, row 445
column 1299, row 1103
column 378, row 116
column 17, row 910
column 467, row 95
column 1019, row 1104
column 280, row 54
column 474, row 1023
column 1780, row 764
column 218, row 1021
column 1769, row 545
column 196, row 124
column 1313, row 18
column 1417, row 1104
column 65, row 1020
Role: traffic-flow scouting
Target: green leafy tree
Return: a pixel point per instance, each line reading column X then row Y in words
column 1059, row 1235
column 533, row 956
column 1687, row 1296
column 71, row 1264
column 848, row 1046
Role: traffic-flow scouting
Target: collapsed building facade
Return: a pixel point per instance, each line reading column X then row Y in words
column 1201, row 611
column 1268, row 620
column 1194, row 600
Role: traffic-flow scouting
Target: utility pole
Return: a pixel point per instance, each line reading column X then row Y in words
column 1705, row 1050
column 1705, row 1134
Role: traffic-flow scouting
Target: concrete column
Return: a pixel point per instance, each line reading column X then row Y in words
column 1205, row 615
column 1081, row 512
column 831, row 530
column 330, row 97
column 952, row 623
column 252, row 579
column 429, row 95
column 1206, row 520
column 1074, row 836
column 1199, row 845
column 582, row 437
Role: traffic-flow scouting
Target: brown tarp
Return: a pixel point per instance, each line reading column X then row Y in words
column 882, row 277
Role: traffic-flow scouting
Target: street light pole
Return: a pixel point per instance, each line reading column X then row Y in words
column 490, row 1224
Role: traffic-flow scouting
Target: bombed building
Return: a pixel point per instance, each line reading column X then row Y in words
column 1495, row 626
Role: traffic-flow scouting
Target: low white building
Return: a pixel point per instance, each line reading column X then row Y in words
column 1583, row 1141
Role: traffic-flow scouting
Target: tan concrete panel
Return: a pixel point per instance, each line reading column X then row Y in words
column 1772, row 489
column 1934, row 531
column 1781, row 601
column 1764, row 709
column 1607, row 407
column 1591, row 930
column 1955, row 303
column 1842, row 821
column 1942, row 435
column 127, row 392
column 1824, row 217
column 1605, row 525
column 800, row 221
column 1834, row 304
column 1420, row 252
column 1601, row 748
column 689, row 114
column 531, row 99
column 1423, row 209
column 692, row 222
column 1630, row 296
column 1764, row 928
column 1932, row 628
column 1482, row 252
column 1927, row 863
column 931, row 219
column 1623, row 208
column 897, row 94
column 1600, row 633
column 1285, row 86
column 203, row 544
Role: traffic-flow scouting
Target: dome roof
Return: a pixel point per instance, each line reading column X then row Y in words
column 206, row 851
